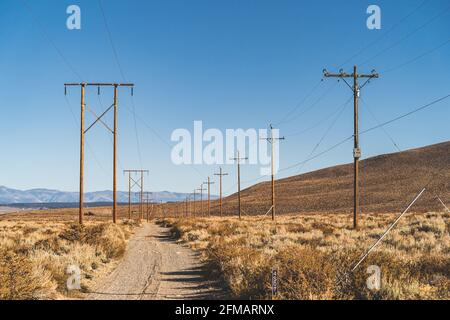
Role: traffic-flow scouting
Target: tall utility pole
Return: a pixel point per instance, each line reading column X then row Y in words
column 80, row 213
column 147, row 199
column 186, row 207
column 238, row 159
column 132, row 182
column 272, row 140
column 195, row 193
column 356, row 149
column 201, row 198
column 209, row 183
column 220, row 174
column 189, row 206
column 83, row 85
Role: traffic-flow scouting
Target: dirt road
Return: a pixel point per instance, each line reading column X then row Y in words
column 156, row 267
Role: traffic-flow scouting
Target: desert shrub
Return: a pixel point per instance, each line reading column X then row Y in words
column 112, row 240
column 314, row 256
column 297, row 228
column 243, row 269
column 304, row 273
column 34, row 267
column 109, row 237
column 20, row 279
column 325, row 228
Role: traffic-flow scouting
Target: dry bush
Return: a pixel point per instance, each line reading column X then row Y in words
column 20, row 279
column 314, row 253
column 34, row 259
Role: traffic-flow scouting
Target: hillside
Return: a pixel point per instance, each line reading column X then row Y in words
column 388, row 183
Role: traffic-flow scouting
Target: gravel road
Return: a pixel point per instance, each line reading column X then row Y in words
column 156, row 267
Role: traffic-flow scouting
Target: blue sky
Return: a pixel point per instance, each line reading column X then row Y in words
column 231, row 64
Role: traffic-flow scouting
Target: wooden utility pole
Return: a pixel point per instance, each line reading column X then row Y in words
column 272, row 140
column 186, row 207
column 136, row 182
column 238, row 159
column 147, row 199
column 142, row 197
column 115, row 158
column 81, row 213
column 83, row 85
column 220, row 174
column 195, row 193
column 201, row 199
column 209, row 183
column 356, row 148
column 129, row 195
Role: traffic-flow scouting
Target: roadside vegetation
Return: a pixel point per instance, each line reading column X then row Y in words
column 313, row 254
column 35, row 255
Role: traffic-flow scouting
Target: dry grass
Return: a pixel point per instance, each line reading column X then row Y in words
column 312, row 254
column 35, row 254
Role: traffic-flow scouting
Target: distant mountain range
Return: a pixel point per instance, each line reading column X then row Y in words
column 14, row 196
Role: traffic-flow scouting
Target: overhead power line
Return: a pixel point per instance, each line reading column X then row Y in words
column 298, row 105
column 428, row 105
column 44, row 32
column 408, row 35
column 385, row 34
column 341, row 111
column 121, row 70
column 420, row 56
column 311, row 106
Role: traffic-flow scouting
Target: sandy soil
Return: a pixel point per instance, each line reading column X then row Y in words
column 156, row 267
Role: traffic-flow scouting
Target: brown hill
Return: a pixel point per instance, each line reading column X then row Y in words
column 388, row 183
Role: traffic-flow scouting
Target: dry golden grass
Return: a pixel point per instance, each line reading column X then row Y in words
column 313, row 253
column 35, row 254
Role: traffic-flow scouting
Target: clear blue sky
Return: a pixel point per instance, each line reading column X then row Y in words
column 231, row 64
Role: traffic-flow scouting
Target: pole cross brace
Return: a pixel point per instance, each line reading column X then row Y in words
column 99, row 118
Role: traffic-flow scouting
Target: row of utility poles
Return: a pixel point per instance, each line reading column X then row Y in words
column 132, row 180
column 356, row 88
column 238, row 159
column 83, row 131
column 139, row 182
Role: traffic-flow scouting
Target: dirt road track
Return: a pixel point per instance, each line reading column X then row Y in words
column 156, row 267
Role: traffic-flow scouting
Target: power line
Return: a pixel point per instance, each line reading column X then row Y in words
column 145, row 123
column 300, row 103
column 378, row 123
column 407, row 36
column 49, row 39
column 327, row 131
column 392, row 28
column 318, row 123
column 305, row 110
column 420, row 56
column 366, row 131
column 428, row 105
column 111, row 42
column 121, row 70
column 318, row 155
column 341, row 109
column 43, row 30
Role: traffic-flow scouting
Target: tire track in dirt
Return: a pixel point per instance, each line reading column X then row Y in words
column 155, row 266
